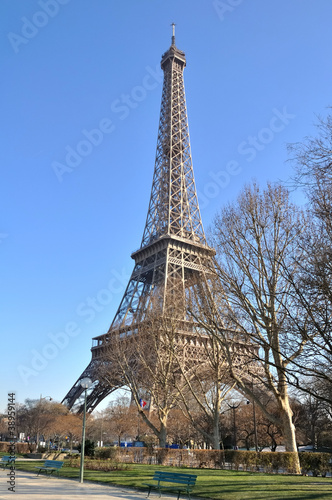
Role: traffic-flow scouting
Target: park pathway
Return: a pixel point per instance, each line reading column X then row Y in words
column 31, row 487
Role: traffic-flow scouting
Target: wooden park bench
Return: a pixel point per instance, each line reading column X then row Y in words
column 7, row 461
column 184, row 482
column 49, row 467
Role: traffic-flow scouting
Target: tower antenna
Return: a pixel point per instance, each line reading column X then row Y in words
column 173, row 34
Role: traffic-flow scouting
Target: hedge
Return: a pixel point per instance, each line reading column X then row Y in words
column 316, row 463
column 285, row 462
column 20, row 448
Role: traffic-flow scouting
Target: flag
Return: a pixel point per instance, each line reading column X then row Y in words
column 142, row 403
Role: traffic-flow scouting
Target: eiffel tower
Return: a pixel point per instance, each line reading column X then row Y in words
column 173, row 252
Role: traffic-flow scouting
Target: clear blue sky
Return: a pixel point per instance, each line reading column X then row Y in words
column 257, row 74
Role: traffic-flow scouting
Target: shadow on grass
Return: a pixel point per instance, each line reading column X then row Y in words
column 235, row 487
column 212, row 484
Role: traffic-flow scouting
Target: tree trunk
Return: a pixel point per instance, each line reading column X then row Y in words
column 162, row 435
column 288, row 430
column 215, row 432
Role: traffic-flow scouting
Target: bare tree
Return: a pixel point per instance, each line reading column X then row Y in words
column 256, row 240
column 206, row 386
column 313, row 170
column 159, row 363
column 38, row 418
column 180, row 431
column 66, row 427
column 253, row 427
column 3, row 427
column 148, row 362
column 121, row 419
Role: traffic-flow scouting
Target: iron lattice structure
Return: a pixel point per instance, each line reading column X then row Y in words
column 174, row 255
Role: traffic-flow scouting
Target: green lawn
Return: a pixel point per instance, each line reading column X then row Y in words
column 214, row 484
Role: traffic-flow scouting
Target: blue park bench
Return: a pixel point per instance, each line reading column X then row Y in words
column 7, row 461
column 184, row 482
column 49, row 467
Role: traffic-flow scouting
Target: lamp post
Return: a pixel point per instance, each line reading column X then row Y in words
column 234, row 407
column 85, row 383
column 255, row 424
column 254, row 415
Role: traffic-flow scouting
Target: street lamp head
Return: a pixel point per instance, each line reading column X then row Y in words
column 233, row 406
column 45, row 398
column 85, row 383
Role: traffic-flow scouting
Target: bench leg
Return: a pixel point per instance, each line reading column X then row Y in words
column 179, row 493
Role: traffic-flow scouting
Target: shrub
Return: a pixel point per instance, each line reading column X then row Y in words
column 89, row 448
column 102, row 465
column 106, row 453
column 105, row 466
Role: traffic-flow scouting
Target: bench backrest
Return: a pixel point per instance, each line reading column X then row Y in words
column 175, row 477
column 6, row 458
column 53, row 463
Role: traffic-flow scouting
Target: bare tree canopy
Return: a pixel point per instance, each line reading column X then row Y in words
column 150, row 363
column 313, row 166
column 312, row 160
column 204, row 390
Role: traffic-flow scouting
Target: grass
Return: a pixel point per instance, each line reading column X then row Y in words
column 211, row 483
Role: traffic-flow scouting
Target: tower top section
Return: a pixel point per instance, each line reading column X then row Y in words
column 173, row 209
column 173, row 53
